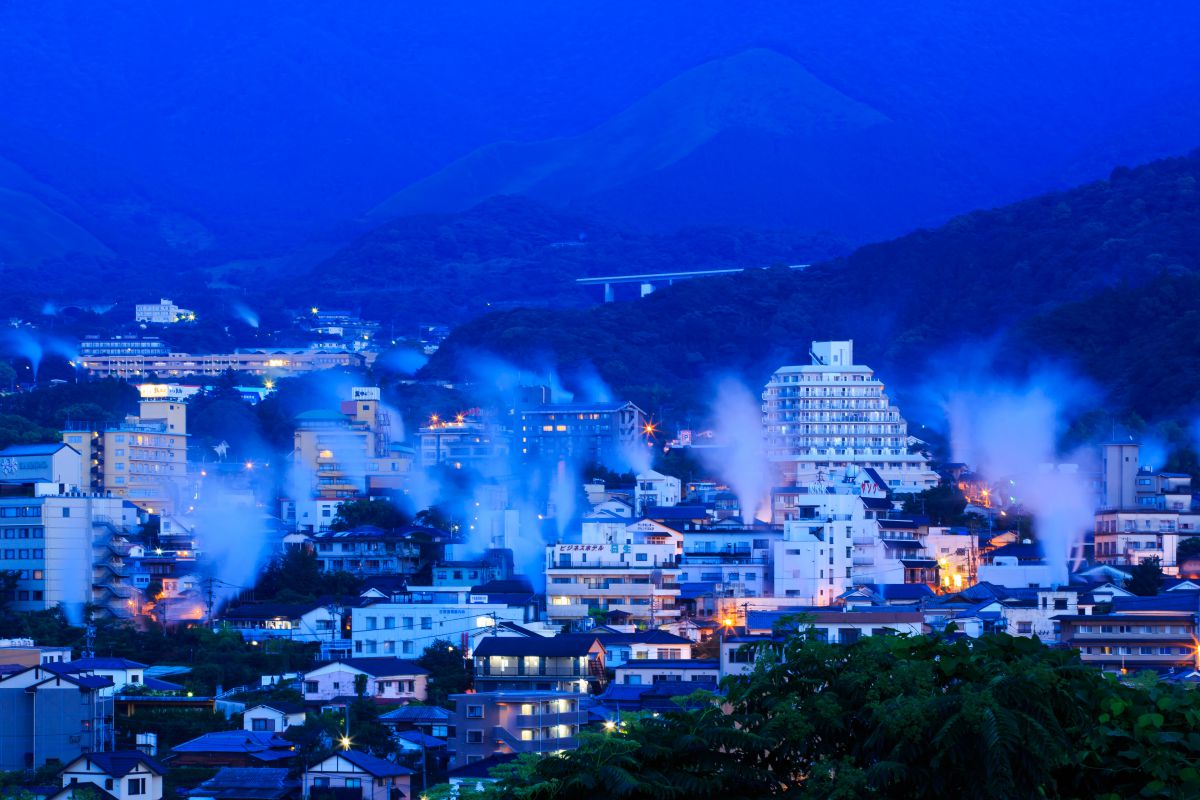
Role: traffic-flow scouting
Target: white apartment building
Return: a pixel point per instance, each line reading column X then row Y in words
column 833, row 414
column 727, row 560
column 653, row 489
column 164, row 312
column 404, row 630
column 66, row 546
column 615, row 566
column 844, row 534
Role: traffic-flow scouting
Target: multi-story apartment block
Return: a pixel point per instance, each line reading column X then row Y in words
column 66, row 546
column 341, row 455
column 726, row 559
column 1157, row 633
column 464, row 441
column 565, row 663
column 143, row 459
column 95, row 346
column 842, row 534
column 368, row 551
column 616, row 566
column 50, row 715
column 278, row 363
column 580, row 432
column 487, row 723
column 407, row 628
column 164, row 312
column 1144, row 513
column 834, row 414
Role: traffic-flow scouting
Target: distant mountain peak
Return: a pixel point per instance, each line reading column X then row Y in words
column 757, row 89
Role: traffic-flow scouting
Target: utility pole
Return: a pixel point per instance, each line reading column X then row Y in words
column 209, row 601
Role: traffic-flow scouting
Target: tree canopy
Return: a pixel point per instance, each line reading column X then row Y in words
column 898, row 717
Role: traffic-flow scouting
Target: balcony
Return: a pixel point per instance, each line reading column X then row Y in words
column 547, row 718
column 567, row 611
column 519, row 745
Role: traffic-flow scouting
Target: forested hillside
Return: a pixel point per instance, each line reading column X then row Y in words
column 1104, row 276
column 512, row 251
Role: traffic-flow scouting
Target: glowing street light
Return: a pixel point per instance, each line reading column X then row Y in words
column 345, row 742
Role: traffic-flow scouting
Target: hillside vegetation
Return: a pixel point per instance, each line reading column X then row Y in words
column 1103, row 277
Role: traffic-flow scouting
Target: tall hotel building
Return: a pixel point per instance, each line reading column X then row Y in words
column 833, row 414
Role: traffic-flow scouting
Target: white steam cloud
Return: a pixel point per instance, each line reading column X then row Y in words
column 741, row 459
column 1009, row 432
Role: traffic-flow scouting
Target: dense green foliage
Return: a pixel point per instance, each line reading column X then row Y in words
column 510, row 251
column 1095, row 277
column 296, row 577
column 448, row 673
column 896, row 717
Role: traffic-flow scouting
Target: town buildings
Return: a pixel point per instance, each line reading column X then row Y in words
column 582, row 433
column 96, row 346
column 65, row 545
column 124, row 775
column 142, row 459
column 353, row 775
column 275, row 363
column 343, row 455
column 617, row 565
column 565, row 663
column 52, row 715
column 164, row 312
column 1144, row 513
column 465, row 441
column 491, row 722
column 386, row 680
column 834, row 414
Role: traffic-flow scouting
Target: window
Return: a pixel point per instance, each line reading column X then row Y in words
column 322, row 782
column 408, row 647
column 353, row 783
column 474, row 737
column 1060, row 604
column 1024, row 627
column 137, row 786
column 474, row 712
column 310, row 687
column 262, row 725
column 408, row 623
column 426, row 623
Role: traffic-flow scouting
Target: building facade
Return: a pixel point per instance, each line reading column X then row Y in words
column 834, row 414
column 487, row 723
column 580, row 432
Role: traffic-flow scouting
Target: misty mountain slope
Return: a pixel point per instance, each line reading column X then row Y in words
column 909, row 302
column 756, row 90
column 250, row 126
column 30, row 230
column 513, row 251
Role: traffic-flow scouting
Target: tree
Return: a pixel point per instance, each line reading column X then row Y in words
column 448, row 672
column 1189, row 548
column 1145, row 579
column 897, row 717
column 943, row 504
column 376, row 512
